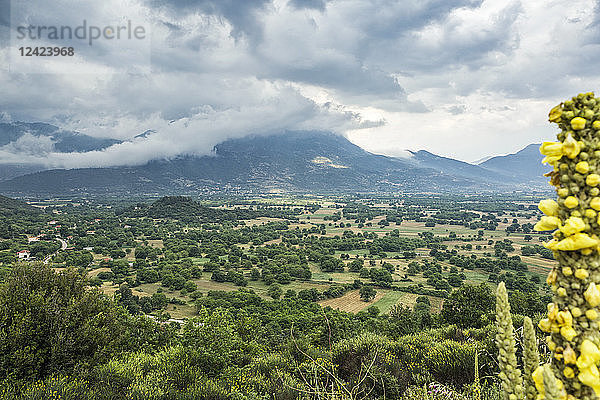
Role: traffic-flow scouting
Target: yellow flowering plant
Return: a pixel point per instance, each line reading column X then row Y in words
column 572, row 321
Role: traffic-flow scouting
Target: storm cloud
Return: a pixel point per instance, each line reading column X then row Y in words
column 461, row 78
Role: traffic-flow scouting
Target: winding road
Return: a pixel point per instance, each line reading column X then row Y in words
column 63, row 246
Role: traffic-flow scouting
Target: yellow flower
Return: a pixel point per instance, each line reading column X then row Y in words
column 563, row 192
column 564, row 318
column 581, row 273
column 590, row 377
column 576, row 242
column 582, row 167
column 572, row 225
column 548, row 207
column 571, row 147
column 567, row 271
column 562, row 292
column 545, row 325
column 551, row 149
column 550, row 280
column 578, row 123
column 596, row 125
column 589, row 213
column 595, row 203
column 551, row 160
column 551, row 244
column 551, row 345
column 589, row 354
column 592, row 179
column 586, row 362
column 547, row 224
column 571, row 202
column 591, row 314
column 553, row 152
column 555, row 114
column 569, row 373
column 568, row 332
column 592, row 295
column 576, row 312
column 569, row 355
column 588, row 114
column 538, row 378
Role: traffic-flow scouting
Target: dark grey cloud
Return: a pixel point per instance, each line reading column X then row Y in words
column 4, row 23
column 309, row 4
column 352, row 77
column 220, row 69
column 446, row 43
column 356, row 58
column 242, row 14
column 593, row 28
column 390, row 19
column 4, row 12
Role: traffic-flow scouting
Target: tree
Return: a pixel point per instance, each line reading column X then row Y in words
column 52, row 322
column 469, row 306
column 254, row 274
column 367, row 293
column 219, row 276
column 455, row 280
column 332, row 264
column 356, row 265
column 309, row 294
column 275, row 291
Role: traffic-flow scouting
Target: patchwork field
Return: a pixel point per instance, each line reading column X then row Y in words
column 327, row 219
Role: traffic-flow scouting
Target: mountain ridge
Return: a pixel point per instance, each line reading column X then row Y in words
column 294, row 161
column 525, row 162
column 62, row 141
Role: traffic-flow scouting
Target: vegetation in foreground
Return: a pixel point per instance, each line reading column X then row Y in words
column 62, row 339
column 178, row 299
column 572, row 327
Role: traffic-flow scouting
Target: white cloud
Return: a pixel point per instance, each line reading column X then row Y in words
column 461, row 78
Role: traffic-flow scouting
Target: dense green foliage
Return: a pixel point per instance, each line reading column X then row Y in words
column 178, row 299
column 72, row 339
column 51, row 323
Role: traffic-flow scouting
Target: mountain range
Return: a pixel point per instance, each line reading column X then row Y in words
column 289, row 162
column 40, row 138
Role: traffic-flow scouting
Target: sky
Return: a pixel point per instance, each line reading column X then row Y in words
column 460, row 78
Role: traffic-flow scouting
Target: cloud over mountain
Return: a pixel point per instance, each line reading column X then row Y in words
column 462, row 78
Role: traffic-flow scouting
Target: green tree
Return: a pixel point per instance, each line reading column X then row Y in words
column 469, row 306
column 367, row 293
column 275, row 291
column 52, row 322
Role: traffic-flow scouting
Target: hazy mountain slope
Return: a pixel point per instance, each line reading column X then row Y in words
column 9, row 171
column 294, row 161
column 290, row 162
column 525, row 165
column 61, row 141
column 12, row 207
column 452, row 166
